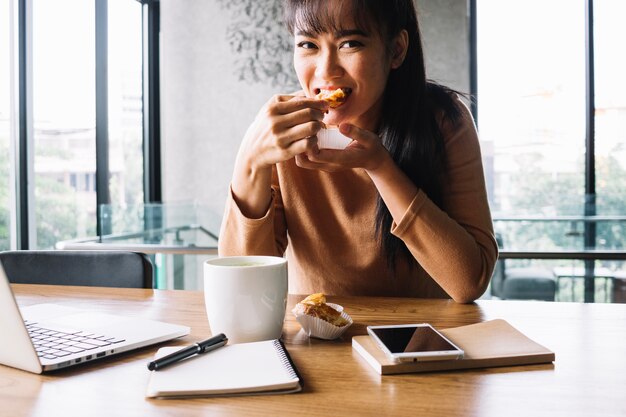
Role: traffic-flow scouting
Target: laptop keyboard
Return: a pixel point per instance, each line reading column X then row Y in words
column 52, row 344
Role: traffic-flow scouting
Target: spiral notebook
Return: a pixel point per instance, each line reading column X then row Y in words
column 240, row 369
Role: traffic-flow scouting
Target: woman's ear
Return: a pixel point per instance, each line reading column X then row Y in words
column 399, row 48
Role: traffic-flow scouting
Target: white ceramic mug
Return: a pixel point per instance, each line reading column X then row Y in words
column 246, row 297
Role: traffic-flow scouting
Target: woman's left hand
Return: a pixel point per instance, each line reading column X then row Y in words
column 365, row 151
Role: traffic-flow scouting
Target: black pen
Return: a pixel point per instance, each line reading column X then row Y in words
column 195, row 349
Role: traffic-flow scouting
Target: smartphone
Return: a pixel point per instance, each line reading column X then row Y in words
column 414, row 342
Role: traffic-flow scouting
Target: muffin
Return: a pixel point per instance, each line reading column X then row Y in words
column 320, row 319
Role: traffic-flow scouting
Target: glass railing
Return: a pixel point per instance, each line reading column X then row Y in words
column 573, row 258
column 541, row 257
column 178, row 237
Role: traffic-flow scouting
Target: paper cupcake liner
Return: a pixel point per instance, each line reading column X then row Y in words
column 316, row 327
column 332, row 139
column 336, row 307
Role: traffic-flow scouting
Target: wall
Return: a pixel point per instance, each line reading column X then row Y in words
column 206, row 107
column 445, row 32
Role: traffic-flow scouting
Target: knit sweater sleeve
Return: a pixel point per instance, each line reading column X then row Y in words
column 455, row 244
column 240, row 235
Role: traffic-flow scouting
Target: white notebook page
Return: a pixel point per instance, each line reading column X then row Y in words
column 239, row 368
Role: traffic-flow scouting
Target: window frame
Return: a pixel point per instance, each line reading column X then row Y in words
column 22, row 137
column 590, row 167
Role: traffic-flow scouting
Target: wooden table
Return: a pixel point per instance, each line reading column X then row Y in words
column 587, row 379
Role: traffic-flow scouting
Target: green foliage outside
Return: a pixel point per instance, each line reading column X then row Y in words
column 542, row 193
column 539, row 193
column 611, row 190
column 57, row 212
column 5, row 219
column 57, row 209
column 129, row 217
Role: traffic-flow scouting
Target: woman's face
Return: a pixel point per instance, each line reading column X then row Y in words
column 350, row 59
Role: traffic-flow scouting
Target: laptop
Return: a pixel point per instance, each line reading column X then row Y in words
column 47, row 337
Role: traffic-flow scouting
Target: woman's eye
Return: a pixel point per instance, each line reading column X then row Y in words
column 306, row 45
column 351, row 44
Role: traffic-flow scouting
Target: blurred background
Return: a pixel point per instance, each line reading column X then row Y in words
column 120, row 121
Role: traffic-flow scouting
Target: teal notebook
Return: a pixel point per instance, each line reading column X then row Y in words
column 240, row 369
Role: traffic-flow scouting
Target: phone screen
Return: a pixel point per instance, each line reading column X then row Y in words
column 412, row 339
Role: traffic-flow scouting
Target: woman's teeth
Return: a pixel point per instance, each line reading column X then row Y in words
column 345, row 90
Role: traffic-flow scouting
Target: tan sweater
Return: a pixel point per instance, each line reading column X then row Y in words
column 324, row 224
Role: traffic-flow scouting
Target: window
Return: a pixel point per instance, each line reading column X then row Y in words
column 125, row 103
column 545, row 173
column 5, row 127
column 64, row 119
column 74, row 163
column 531, row 104
column 610, row 120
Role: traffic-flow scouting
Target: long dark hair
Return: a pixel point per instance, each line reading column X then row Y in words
column 413, row 107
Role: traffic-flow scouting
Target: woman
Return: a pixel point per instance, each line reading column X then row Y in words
column 402, row 211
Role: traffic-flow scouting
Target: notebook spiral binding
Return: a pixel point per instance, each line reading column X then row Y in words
column 286, row 360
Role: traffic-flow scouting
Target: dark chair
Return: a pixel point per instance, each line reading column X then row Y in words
column 87, row 268
column 526, row 283
column 529, row 284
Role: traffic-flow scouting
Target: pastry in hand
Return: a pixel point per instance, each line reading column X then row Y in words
column 334, row 98
column 315, row 305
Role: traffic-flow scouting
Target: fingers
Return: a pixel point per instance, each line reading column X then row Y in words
column 302, row 146
column 299, row 93
column 329, row 157
column 299, row 117
column 364, row 137
column 285, row 104
column 316, row 149
column 304, row 161
column 294, row 118
column 285, row 138
column 283, row 97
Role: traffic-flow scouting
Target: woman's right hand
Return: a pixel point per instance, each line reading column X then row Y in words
column 285, row 127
